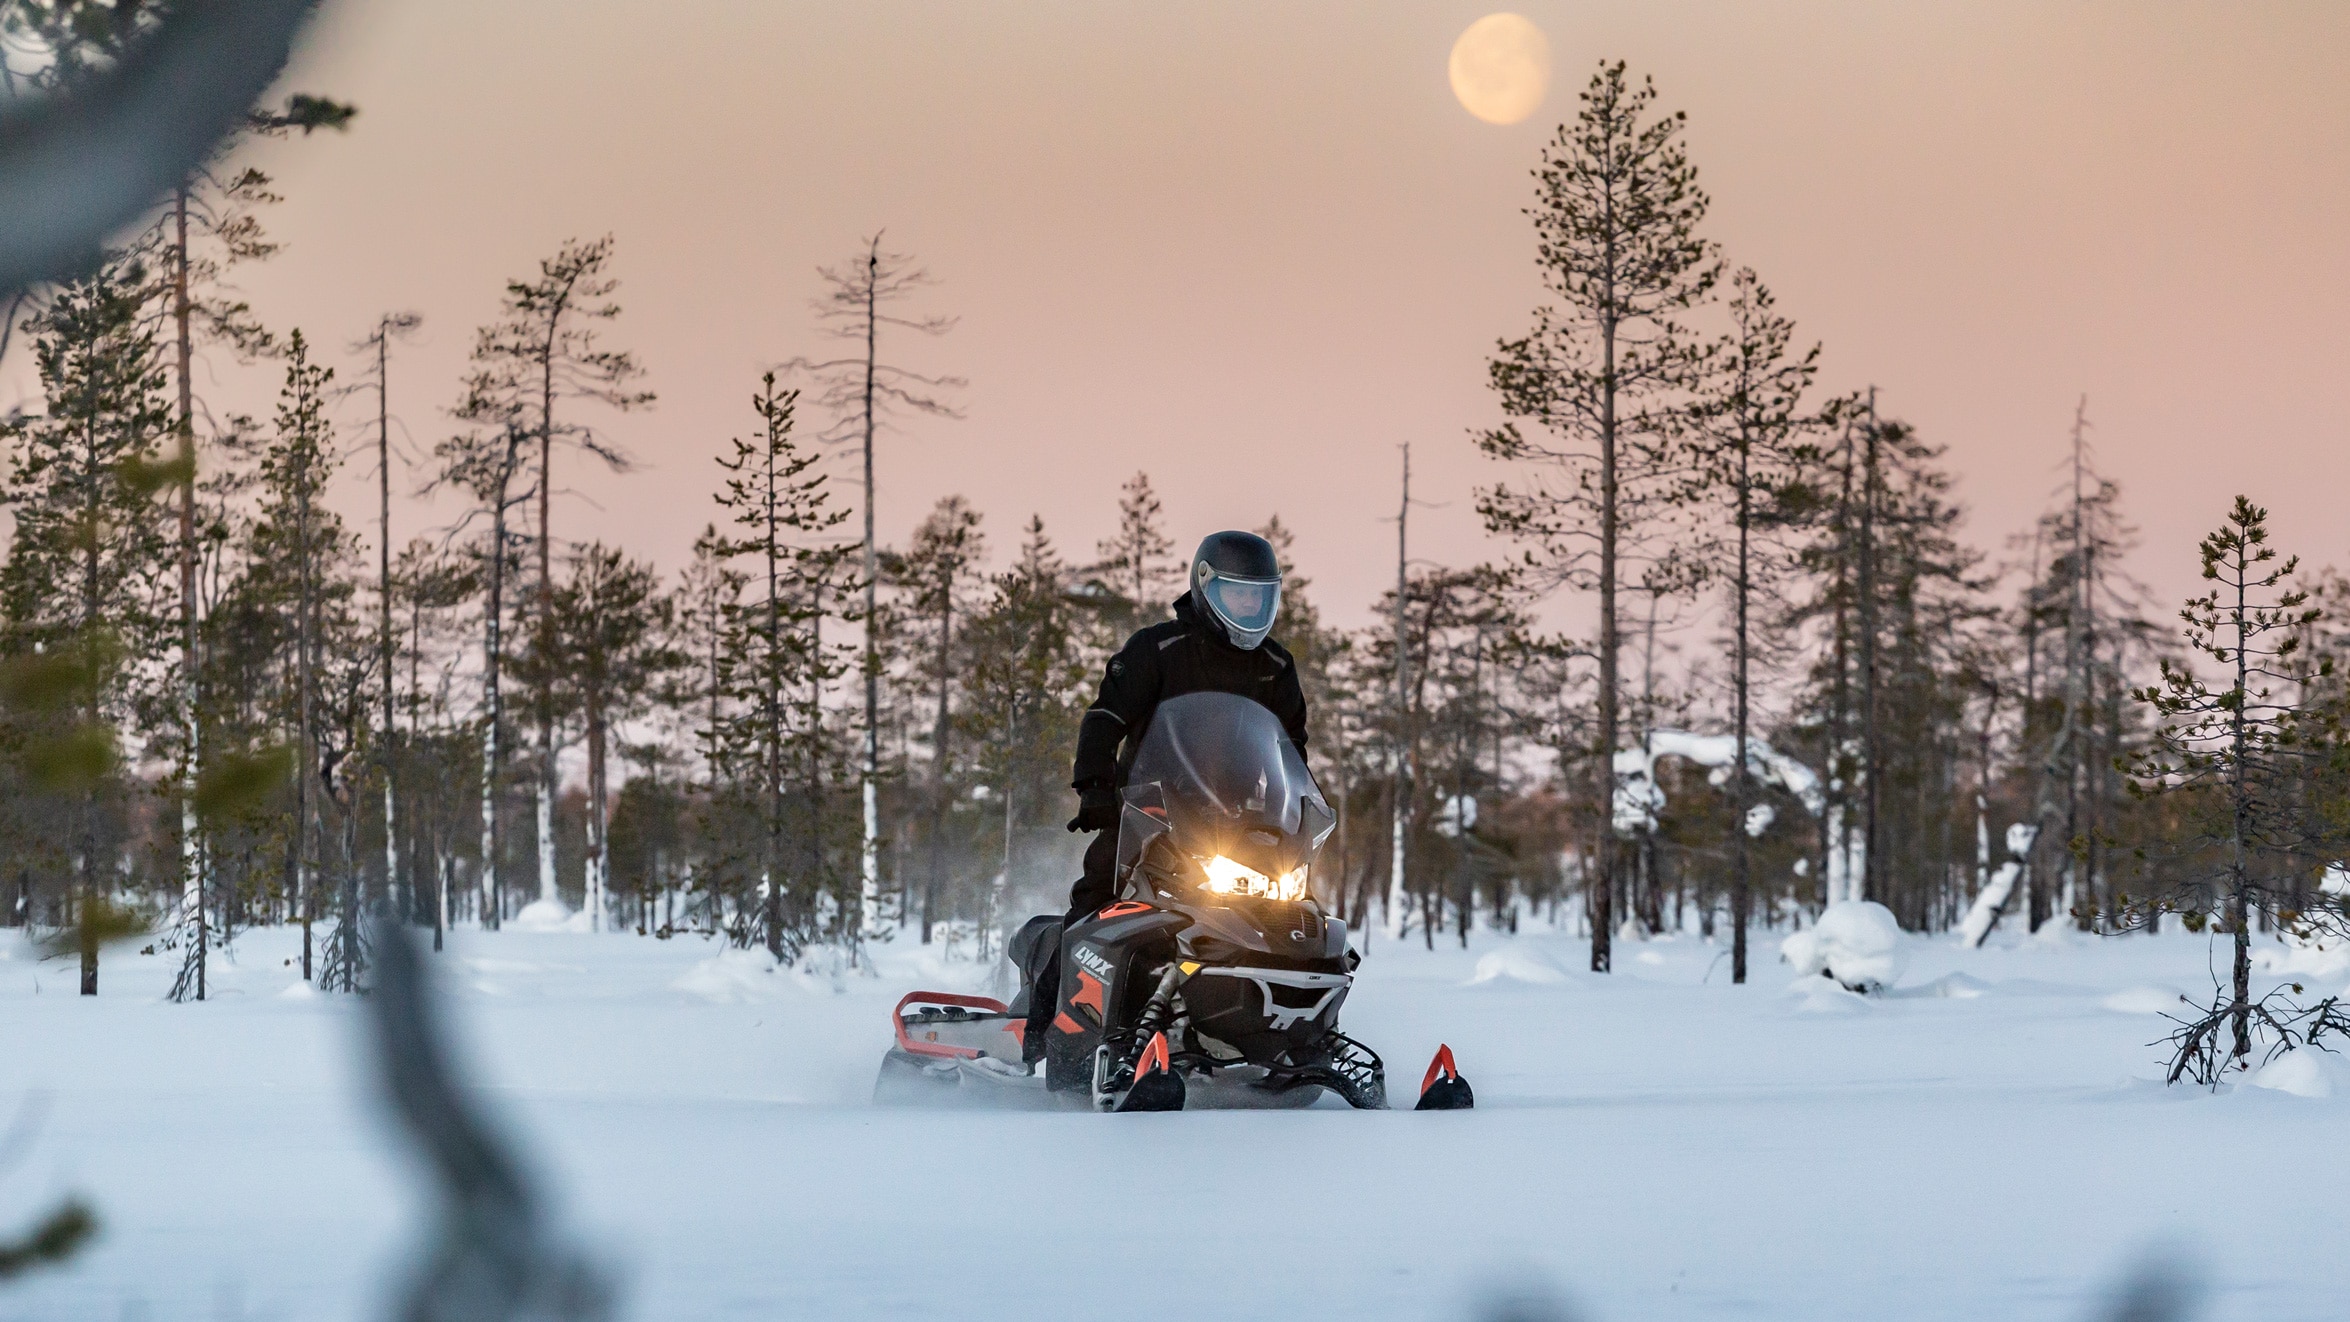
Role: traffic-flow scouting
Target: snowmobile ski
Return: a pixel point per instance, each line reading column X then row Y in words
column 1443, row 1088
column 1157, row 1087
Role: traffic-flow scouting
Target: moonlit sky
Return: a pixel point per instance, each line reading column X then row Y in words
column 1253, row 248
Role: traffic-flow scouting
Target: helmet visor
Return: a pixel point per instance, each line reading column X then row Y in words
column 1246, row 605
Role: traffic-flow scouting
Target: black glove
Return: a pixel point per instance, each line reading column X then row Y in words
column 1097, row 810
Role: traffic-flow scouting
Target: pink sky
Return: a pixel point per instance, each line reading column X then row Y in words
column 1253, row 248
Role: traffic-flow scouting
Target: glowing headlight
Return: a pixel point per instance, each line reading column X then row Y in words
column 1226, row 877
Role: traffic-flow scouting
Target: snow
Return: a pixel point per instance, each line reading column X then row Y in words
column 1528, row 962
column 1991, row 900
column 1639, row 799
column 550, row 916
column 1856, row 943
column 732, row 977
column 1652, row 1143
column 2307, row 1073
column 2144, row 1000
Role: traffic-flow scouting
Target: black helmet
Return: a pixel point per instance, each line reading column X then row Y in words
column 1236, row 578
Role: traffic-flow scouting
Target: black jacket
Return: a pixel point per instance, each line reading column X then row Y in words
column 1187, row 654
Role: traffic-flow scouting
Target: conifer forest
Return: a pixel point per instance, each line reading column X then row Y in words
column 312, row 668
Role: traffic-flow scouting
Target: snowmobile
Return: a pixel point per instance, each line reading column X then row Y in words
column 1214, row 979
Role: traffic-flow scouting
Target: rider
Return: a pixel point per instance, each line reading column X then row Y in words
column 1218, row 643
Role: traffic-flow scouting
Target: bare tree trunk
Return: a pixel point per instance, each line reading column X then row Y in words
column 1741, row 788
column 599, row 863
column 1602, row 884
column 545, row 698
column 869, row 855
column 305, row 751
column 2239, row 866
column 383, row 455
column 936, row 869
column 493, row 892
column 1400, row 792
column 191, row 665
column 1870, row 887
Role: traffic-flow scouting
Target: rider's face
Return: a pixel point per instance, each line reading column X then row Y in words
column 1244, row 600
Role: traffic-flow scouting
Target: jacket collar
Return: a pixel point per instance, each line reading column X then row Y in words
column 1192, row 617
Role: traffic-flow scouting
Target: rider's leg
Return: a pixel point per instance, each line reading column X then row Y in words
column 1091, row 894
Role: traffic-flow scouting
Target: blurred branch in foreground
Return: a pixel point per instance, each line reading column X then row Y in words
column 82, row 164
column 493, row 1256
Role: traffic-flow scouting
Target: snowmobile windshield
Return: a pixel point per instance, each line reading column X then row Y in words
column 1231, row 783
column 1247, row 606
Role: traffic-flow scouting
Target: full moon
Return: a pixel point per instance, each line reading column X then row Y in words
column 1501, row 68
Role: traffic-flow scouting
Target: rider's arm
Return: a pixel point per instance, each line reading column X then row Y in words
column 1289, row 703
column 1130, row 688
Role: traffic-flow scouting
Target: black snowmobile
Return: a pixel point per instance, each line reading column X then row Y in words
column 1214, row 979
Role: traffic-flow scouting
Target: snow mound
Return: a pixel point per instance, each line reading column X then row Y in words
column 547, row 916
column 300, row 991
column 1855, row 942
column 1827, row 996
column 1518, row 962
column 1948, row 987
column 2309, row 1072
column 2142, row 1000
column 2313, row 956
column 732, row 977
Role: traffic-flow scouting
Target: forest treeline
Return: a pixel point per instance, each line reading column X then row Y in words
column 226, row 701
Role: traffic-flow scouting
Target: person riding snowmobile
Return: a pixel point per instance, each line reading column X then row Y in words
column 1219, row 641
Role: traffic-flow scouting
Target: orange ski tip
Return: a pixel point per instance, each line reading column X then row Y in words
column 1154, row 1056
column 1441, row 1066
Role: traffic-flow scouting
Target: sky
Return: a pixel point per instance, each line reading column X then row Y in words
column 1254, row 249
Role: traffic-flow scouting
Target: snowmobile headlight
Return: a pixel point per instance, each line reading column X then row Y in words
column 1291, row 885
column 1227, row 877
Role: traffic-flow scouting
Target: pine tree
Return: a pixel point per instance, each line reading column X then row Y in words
column 1754, row 461
column 485, row 461
column 1027, row 682
column 544, row 353
column 1616, row 216
column 83, row 587
column 771, row 664
column 612, row 646
column 378, row 342
column 2233, row 754
column 936, row 573
column 862, row 391
column 300, row 549
column 1138, row 565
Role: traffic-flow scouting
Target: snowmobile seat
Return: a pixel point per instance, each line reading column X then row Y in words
column 1030, row 950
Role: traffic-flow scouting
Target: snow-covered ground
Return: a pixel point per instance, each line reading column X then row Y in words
column 1987, row 1140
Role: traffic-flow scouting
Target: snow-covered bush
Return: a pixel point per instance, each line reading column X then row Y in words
column 1856, row 942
